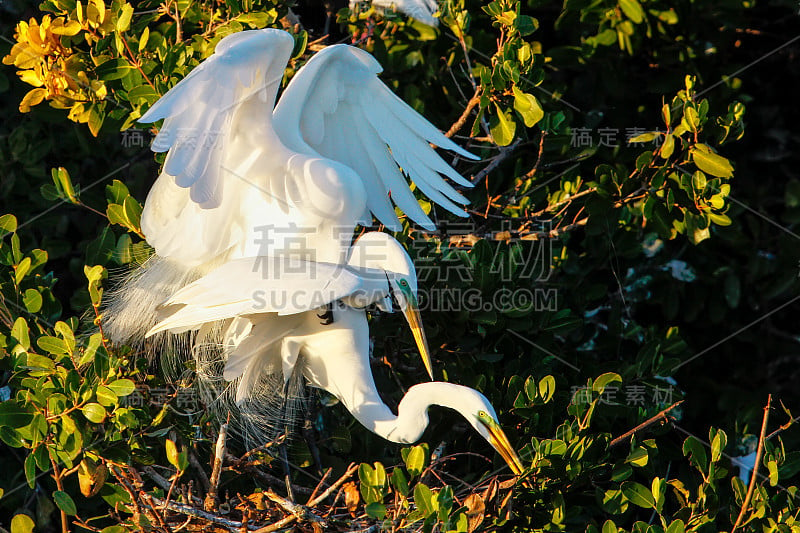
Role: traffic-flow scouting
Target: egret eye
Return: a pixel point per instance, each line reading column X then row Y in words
column 482, row 414
column 404, row 283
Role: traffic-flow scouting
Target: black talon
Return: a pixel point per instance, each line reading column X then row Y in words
column 326, row 318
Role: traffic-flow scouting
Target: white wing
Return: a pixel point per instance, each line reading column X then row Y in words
column 421, row 10
column 199, row 109
column 336, row 106
column 254, row 286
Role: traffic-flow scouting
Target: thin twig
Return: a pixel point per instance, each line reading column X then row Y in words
column 661, row 416
column 197, row 513
column 499, row 158
column 200, row 472
column 319, row 485
column 60, row 486
column 458, row 124
column 753, row 476
column 284, row 522
column 352, row 468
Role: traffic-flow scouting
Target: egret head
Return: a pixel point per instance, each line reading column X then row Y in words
column 469, row 403
column 485, row 422
column 481, row 415
column 381, row 252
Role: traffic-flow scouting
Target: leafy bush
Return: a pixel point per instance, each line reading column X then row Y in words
column 612, row 267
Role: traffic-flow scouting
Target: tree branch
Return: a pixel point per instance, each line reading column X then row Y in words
column 754, row 475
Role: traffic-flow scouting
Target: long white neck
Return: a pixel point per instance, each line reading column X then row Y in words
column 412, row 414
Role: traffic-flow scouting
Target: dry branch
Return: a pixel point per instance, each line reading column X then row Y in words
column 754, row 475
column 660, row 417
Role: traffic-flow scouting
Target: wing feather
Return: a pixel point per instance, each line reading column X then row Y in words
column 337, row 107
column 256, row 286
column 198, row 111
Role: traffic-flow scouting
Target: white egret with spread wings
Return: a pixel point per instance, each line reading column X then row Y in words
column 243, row 182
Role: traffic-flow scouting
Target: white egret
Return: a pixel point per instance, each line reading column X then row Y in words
column 272, row 335
column 422, row 10
column 241, row 180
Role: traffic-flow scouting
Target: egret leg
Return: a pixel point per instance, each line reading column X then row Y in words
column 309, row 434
column 285, row 444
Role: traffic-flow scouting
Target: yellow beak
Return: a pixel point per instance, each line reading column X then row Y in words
column 498, row 439
column 411, row 313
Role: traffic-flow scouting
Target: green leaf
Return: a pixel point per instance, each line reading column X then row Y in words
column 133, row 211
column 528, row 107
column 65, row 503
column 32, row 300
column 143, row 39
column 172, row 453
column 772, row 468
column 105, row 396
column 667, row 147
column 22, row 523
column 415, row 461
column 604, row 380
column 638, row 457
column 399, row 481
column 122, row 387
column 526, row 25
column 638, row 494
column 696, row 452
column 423, row 498
column 8, row 224
column 19, row 331
column 52, row 345
column 113, row 69
column 94, row 412
column 633, row 10
column 609, row 527
column 547, row 387
column 14, row 415
column 91, row 348
column 39, row 362
column 699, row 181
column 64, row 184
column 137, row 94
column 645, row 137
column 117, row 191
column 502, row 127
column 375, row 510
column 677, row 526
column 710, row 162
column 690, row 119
column 96, row 118
column 22, row 269
column 29, row 467
column 124, row 20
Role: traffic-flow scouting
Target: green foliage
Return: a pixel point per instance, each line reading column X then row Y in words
column 633, row 256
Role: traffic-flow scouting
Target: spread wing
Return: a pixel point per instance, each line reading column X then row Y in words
column 198, row 111
column 253, row 286
column 336, row 106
